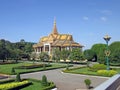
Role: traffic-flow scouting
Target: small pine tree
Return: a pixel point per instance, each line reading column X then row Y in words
column 87, row 82
column 67, row 67
column 44, row 66
column 18, row 78
column 44, row 80
column 13, row 71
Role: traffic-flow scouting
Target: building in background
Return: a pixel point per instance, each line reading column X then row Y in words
column 55, row 40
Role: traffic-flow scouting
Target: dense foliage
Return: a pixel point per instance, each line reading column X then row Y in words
column 87, row 82
column 18, row 78
column 65, row 54
column 97, row 67
column 106, row 73
column 76, row 54
column 56, row 55
column 115, row 53
column 44, row 56
column 13, row 85
column 18, row 50
column 44, row 81
column 98, row 51
column 90, row 55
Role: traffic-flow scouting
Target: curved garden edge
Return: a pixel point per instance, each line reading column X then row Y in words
column 83, row 71
column 29, row 83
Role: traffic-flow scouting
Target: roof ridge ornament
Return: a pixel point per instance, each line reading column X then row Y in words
column 54, row 27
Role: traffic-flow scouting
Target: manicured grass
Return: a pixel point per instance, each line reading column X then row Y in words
column 34, row 86
column 85, row 71
column 27, row 84
column 117, row 69
column 6, row 69
column 81, row 70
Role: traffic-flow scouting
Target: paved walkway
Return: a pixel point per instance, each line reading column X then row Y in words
column 66, row 81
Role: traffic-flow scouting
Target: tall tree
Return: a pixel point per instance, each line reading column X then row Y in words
column 89, row 54
column 56, row 55
column 115, row 52
column 65, row 54
column 44, row 56
column 99, row 50
column 4, row 53
column 76, row 54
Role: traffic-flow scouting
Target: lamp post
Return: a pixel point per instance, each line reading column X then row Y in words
column 107, row 51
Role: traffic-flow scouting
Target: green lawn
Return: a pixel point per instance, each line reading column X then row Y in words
column 85, row 71
column 81, row 70
column 6, row 69
column 34, row 86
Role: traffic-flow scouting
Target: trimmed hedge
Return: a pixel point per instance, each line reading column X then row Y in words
column 97, row 67
column 107, row 73
column 14, row 85
column 51, row 86
column 32, row 66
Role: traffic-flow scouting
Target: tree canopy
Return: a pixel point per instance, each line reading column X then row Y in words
column 18, row 50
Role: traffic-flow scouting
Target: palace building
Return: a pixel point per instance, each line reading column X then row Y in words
column 55, row 40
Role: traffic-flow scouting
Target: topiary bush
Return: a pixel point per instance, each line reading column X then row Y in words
column 107, row 73
column 18, row 78
column 87, row 83
column 13, row 71
column 97, row 67
column 44, row 81
column 51, row 86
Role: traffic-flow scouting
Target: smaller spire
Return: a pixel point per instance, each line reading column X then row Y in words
column 54, row 27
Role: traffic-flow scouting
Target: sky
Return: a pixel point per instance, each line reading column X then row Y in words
column 87, row 20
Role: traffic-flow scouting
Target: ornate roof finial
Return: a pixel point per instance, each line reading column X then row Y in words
column 54, row 27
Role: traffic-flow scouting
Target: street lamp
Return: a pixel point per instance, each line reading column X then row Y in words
column 107, row 51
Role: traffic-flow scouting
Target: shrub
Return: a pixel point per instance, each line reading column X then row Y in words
column 97, row 67
column 51, row 86
column 44, row 81
column 13, row 71
column 18, row 78
column 87, row 82
column 107, row 73
column 12, row 86
column 44, row 67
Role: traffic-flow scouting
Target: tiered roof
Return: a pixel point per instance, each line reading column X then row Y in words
column 56, row 39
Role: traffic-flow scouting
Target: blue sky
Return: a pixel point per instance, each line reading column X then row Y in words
column 87, row 20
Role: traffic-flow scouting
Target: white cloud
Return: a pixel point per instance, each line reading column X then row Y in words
column 85, row 18
column 104, row 19
column 107, row 12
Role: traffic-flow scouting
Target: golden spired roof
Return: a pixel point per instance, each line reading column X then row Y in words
column 56, row 39
column 54, row 28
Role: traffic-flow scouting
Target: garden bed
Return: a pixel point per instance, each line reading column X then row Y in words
column 31, row 66
column 7, row 68
column 12, row 85
column 26, row 84
column 88, row 71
